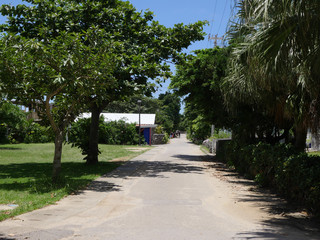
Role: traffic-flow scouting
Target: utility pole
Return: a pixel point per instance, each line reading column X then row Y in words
column 139, row 103
column 215, row 38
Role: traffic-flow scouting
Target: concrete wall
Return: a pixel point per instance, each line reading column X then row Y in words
column 214, row 144
column 315, row 141
column 158, row 139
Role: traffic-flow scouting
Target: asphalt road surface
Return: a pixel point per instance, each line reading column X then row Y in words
column 171, row 192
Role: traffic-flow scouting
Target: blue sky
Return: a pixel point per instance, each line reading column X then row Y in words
column 170, row 12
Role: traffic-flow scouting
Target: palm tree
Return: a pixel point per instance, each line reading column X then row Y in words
column 275, row 59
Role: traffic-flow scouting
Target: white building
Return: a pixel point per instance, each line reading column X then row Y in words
column 147, row 121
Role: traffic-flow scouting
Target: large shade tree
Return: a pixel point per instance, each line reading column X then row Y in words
column 146, row 43
column 56, row 75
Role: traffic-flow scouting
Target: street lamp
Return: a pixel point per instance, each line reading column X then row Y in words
column 139, row 103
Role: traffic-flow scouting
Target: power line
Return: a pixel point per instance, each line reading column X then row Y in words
column 214, row 14
column 215, row 37
column 224, row 10
column 212, row 21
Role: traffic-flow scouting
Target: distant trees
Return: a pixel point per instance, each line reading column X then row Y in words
column 12, row 119
column 130, row 105
column 166, row 107
column 168, row 115
column 199, row 78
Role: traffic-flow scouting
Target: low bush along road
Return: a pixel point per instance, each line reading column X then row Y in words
column 173, row 192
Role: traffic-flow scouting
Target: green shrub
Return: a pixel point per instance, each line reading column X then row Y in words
column 113, row 133
column 35, row 133
column 166, row 138
column 220, row 134
column 294, row 175
column 299, row 179
column 12, row 123
column 199, row 130
column 79, row 135
column 3, row 134
column 159, row 130
column 15, row 128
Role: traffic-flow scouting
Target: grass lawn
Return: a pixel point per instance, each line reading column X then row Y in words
column 25, row 173
column 204, row 149
column 314, row 153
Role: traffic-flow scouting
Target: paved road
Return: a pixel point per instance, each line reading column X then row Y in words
column 171, row 192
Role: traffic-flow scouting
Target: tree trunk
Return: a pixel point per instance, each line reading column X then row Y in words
column 57, row 156
column 300, row 137
column 93, row 152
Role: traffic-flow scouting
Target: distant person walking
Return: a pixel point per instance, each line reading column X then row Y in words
column 178, row 133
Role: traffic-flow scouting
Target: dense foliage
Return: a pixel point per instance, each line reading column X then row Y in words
column 168, row 114
column 293, row 175
column 274, row 68
column 12, row 121
column 199, row 78
column 15, row 128
column 271, row 92
column 112, row 133
column 131, row 105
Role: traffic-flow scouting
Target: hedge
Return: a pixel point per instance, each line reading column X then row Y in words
column 294, row 175
column 113, row 133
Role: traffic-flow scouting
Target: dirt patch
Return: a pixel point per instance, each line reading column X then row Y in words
column 7, row 207
column 121, row 159
column 136, row 149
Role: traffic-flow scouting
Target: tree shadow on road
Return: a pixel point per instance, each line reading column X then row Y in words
column 280, row 229
column 194, row 158
column 102, row 186
column 3, row 237
column 154, row 169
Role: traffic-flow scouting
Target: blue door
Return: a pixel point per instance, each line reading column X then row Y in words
column 146, row 133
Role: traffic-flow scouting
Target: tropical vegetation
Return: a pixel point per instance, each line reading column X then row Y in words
column 292, row 174
column 274, row 67
column 199, row 78
column 112, row 133
column 15, row 127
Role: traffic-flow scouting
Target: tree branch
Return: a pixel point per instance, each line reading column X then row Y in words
column 48, row 110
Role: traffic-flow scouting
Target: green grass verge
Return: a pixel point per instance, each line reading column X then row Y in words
column 204, row 149
column 25, row 174
column 314, row 153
